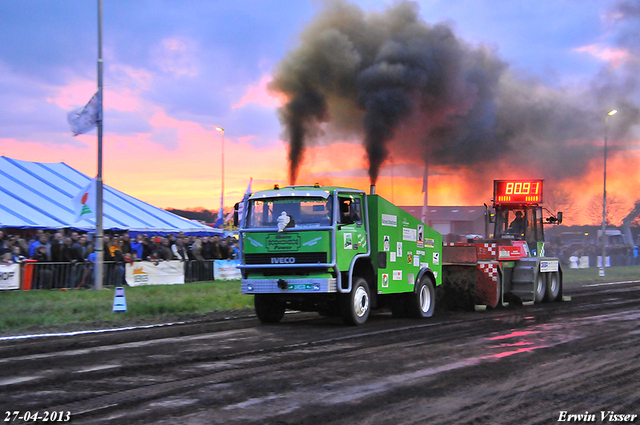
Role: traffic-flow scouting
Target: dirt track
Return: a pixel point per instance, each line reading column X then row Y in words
column 520, row 366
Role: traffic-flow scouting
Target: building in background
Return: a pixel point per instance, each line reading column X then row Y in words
column 454, row 223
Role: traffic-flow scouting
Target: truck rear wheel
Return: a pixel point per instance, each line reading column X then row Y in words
column 422, row 302
column 269, row 308
column 356, row 305
column 540, row 288
column 553, row 287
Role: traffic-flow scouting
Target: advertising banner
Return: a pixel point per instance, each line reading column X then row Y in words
column 226, row 269
column 155, row 273
column 9, row 276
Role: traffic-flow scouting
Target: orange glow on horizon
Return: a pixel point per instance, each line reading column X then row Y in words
column 189, row 176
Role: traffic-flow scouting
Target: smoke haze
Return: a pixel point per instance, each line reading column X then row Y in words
column 401, row 85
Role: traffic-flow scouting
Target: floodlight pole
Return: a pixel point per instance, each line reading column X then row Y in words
column 99, row 232
column 604, row 195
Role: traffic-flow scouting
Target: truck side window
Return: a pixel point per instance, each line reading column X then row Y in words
column 350, row 211
column 356, row 212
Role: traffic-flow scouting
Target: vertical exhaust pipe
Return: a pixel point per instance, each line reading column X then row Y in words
column 372, row 190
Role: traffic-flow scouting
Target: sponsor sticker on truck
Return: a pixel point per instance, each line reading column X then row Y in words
column 389, row 220
column 549, row 266
column 283, row 242
column 409, row 235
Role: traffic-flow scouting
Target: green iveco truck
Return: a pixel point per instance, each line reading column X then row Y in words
column 337, row 251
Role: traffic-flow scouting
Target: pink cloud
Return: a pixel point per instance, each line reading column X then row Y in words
column 612, row 55
column 124, row 100
column 74, row 95
column 245, row 139
column 261, row 95
column 77, row 94
column 177, row 56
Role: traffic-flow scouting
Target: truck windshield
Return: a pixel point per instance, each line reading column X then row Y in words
column 305, row 212
column 520, row 224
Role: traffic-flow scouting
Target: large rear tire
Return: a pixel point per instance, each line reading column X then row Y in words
column 356, row 305
column 553, row 287
column 540, row 288
column 422, row 302
column 269, row 307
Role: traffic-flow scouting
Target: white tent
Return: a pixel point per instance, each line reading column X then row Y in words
column 40, row 195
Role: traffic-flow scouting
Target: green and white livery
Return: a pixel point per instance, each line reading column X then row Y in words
column 337, row 251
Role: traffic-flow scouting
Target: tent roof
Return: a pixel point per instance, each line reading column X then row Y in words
column 40, row 195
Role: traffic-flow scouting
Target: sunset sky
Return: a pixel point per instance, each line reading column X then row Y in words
column 175, row 70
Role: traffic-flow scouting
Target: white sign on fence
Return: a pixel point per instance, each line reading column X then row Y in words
column 226, row 269
column 9, row 276
column 152, row 273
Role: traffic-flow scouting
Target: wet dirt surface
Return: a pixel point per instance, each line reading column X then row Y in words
column 521, row 365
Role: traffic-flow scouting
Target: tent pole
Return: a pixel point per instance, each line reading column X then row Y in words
column 99, row 233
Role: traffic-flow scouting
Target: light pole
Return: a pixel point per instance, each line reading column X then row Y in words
column 604, row 194
column 221, row 130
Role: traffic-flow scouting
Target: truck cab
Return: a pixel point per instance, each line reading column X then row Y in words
column 521, row 223
column 329, row 249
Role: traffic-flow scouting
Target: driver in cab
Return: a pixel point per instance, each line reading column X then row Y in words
column 517, row 225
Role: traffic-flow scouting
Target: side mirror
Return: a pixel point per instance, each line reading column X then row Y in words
column 236, row 206
column 559, row 217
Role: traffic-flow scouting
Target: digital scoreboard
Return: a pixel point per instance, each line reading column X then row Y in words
column 517, row 191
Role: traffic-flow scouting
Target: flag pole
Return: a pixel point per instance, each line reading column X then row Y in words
column 99, row 232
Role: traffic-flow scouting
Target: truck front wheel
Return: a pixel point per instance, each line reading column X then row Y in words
column 269, row 307
column 422, row 302
column 356, row 305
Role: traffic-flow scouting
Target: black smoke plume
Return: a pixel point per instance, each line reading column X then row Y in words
column 398, row 83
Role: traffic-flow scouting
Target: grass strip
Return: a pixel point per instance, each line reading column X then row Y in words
column 591, row 275
column 44, row 309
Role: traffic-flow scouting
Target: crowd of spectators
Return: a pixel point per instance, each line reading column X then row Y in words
column 119, row 248
column 571, row 252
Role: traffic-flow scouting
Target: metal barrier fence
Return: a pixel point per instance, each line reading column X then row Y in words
column 198, row 271
column 49, row 275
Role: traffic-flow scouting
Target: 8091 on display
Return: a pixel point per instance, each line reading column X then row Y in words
column 46, row 416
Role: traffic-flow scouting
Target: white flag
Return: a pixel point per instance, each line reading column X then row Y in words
column 84, row 204
column 84, row 119
column 243, row 205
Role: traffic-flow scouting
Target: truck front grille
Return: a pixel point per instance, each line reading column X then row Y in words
column 286, row 258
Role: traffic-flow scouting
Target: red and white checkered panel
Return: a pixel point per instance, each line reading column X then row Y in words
column 492, row 248
column 490, row 270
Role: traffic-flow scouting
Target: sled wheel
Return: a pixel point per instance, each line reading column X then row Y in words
column 553, row 287
column 541, row 287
